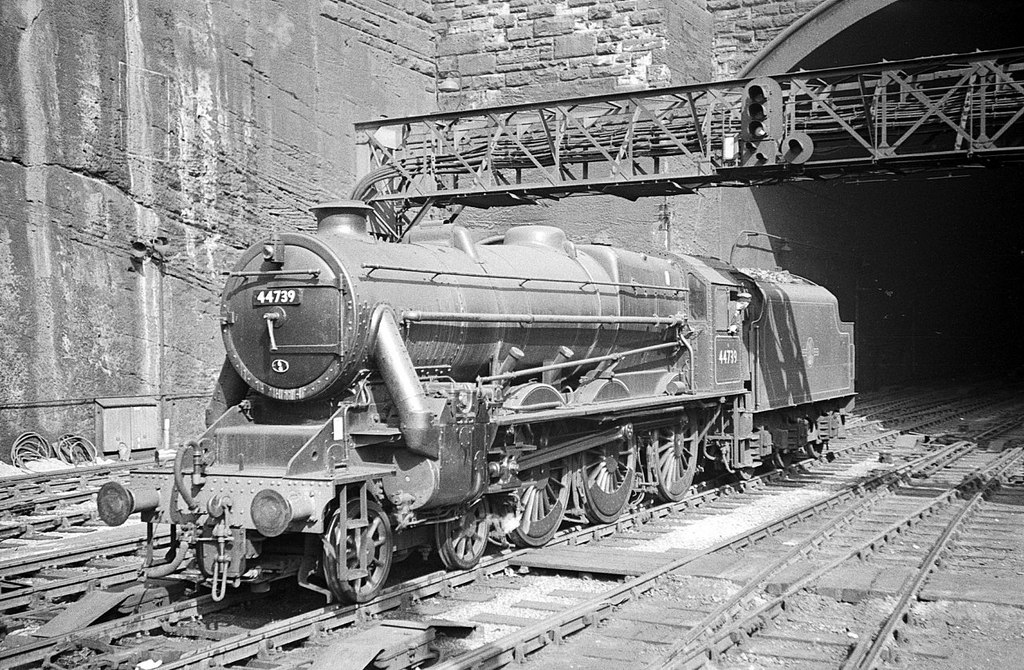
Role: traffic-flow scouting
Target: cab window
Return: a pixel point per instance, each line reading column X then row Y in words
column 698, row 299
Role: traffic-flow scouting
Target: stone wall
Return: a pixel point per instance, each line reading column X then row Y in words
column 496, row 52
column 208, row 122
column 526, row 50
column 212, row 123
column 742, row 28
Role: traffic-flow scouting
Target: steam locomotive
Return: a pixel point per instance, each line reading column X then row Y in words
column 383, row 398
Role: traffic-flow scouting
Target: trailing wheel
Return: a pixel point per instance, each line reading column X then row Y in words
column 357, row 560
column 542, row 503
column 606, row 477
column 675, row 452
column 461, row 542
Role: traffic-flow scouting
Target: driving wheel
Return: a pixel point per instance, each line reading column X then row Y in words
column 542, row 503
column 606, row 476
column 675, row 460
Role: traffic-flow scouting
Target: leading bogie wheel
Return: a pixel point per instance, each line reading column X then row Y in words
column 461, row 542
column 357, row 565
column 606, row 475
column 675, row 460
column 542, row 503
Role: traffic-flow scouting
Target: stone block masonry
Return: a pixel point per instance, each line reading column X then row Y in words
column 521, row 50
column 216, row 122
column 212, row 122
column 600, row 46
column 742, row 28
column 546, row 50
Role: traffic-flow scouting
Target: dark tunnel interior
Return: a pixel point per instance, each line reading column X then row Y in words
column 931, row 268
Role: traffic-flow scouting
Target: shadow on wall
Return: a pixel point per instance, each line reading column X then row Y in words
column 785, row 374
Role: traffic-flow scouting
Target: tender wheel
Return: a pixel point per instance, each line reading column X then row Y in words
column 675, row 459
column 541, row 504
column 607, row 474
column 371, row 546
column 461, row 543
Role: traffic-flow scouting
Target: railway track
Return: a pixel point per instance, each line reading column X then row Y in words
column 836, row 570
column 28, row 650
column 41, row 506
column 39, row 582
column 184, row 630
column 892, row 407
column 51, row 501
column 751, row 578
column 967, row 612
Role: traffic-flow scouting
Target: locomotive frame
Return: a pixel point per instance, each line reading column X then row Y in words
column 462, row 393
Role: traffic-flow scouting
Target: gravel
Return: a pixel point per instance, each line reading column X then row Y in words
column 535, row 587
column 706, row 532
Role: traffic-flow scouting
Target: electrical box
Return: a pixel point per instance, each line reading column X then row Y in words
column 125, row 426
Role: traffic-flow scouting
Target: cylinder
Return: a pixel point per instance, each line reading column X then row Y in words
column 116, row 503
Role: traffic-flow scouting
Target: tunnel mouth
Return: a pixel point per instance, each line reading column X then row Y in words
column 924, row 263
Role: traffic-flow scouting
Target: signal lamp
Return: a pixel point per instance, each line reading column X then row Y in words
column 797, row 148
column 761, row 121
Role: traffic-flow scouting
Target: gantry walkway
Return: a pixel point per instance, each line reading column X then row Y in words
column 888, row 119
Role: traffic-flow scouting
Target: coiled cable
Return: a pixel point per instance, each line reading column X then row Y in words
column 29, row 447
column 75, row 449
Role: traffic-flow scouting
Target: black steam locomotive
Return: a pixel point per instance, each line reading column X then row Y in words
column 380, row 398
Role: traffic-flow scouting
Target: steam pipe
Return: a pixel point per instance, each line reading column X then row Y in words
column 400, row 378
column 174, row 560
column 185, row 488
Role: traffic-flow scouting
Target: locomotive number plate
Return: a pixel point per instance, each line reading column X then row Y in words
column 730, row 360
column 276, row 296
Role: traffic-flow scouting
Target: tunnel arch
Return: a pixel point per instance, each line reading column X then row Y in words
column 806, row 34
column 926, row 266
